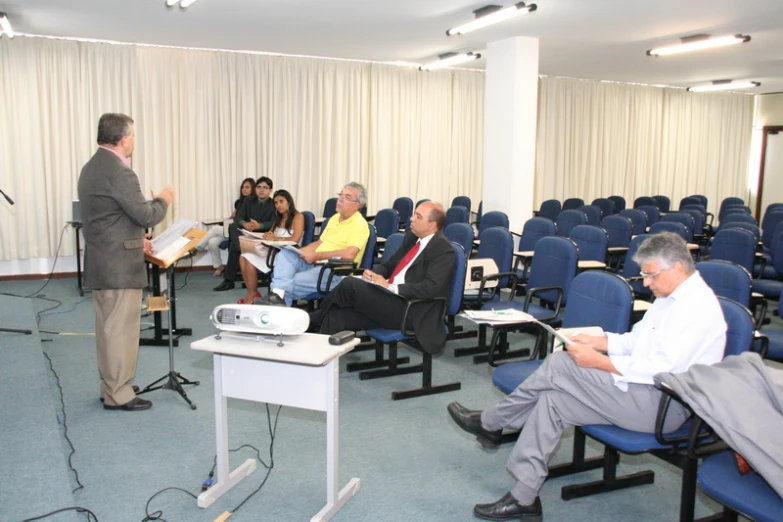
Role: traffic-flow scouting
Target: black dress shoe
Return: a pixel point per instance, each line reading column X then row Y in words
column 225, row 285
column 507, row 508
column 270, row 300
column 136, row 404
column 470, row 421
column 135, row 390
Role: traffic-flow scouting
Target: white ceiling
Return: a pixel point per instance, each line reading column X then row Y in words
column 594, row 39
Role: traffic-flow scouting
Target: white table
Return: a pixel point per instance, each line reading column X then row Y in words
column 303, row 373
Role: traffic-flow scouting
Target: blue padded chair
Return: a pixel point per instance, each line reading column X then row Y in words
column 738, row 217
column 496, row 244
column 736, row 245
column 393, row 337
column 461, row 234
column 730, row 201
column 702, row 199
column 393, row 244
column 653, row 214
column 591, row 242
column 685, row 219
column 690, row 200
column 491, row 219
column 663, row 202
column 700, row 226
column 421, row 201
column 643, row 200
column 567, row 220
column 572, row 203
column 750, row 227
column 771, row 288
column 775, row 337
column 727, row 280
column 729, row 209
column 534, row 229
column 457, row 214
column 619, row 203
column 462, row 201
column 330, row 208
column 552, row 270
column 593, row 214
column 768, row 227
column 618, row 229
column 606, row 205
column 549, row 209
column 638, row 220
column 595, row 299
column 386, row 222
column 631, row 269
column 404, row 207
column 671, row 447
column 309, row 227
column 748, row 495
column 670, row 226
column 772, row 207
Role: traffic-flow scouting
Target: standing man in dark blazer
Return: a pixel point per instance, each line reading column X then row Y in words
column 422, row 268
column 114, row 215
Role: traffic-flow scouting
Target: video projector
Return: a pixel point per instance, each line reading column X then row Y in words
column 260, row 319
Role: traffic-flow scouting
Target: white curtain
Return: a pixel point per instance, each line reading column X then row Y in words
column 207, row 119
column 597, row 139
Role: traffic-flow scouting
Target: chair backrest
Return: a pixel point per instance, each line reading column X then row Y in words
column 698, row 218
column 533, row 230
column 643, row 200
column 460, row 233
column 776, row 250
column 591, row 242
column 568, row 219
column 726, row 279
column 404, row 207
column 653, row 214
column 772, row 207
column 393, row 243
column 638, row 220
column 618, row 228
column 492, row 219
column 497, row 244
column 750, row 227
column 549, row 209
column 330, row 207
column 737, row 217
column 387, row 222
column 670, row 226
column 631, row 269
column 690, row 200
column 619, row 203
column 421, row 201
column 736, row 245
column 369, row 250
column 730, row 201
column 461, row 201
column 768, row 227
column 702, row 199
column 606, row 206
column 732, row 209
column 573, row 203
column 599, row 299
column 457, row 214
column 663, row 202
column 458, row 283
column 554, row 264
column 593, row 214
column 309, row 227
column 740, row 327
column 685, row 219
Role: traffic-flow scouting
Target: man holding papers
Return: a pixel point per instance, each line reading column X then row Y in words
column 115, row 214
column 421, row 269
column 604, row 379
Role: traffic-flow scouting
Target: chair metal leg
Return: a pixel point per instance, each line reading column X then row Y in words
column 610, row 480
column 378, row 362
column 578, row 462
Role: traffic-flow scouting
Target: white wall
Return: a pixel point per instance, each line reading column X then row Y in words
column 769, row 110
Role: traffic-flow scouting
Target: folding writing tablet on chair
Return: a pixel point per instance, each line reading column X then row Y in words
column 478, row 269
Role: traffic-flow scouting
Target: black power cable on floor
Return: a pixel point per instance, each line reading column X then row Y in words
column 90, row 515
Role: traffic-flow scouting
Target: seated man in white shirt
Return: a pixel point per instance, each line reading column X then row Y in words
column 604, row 379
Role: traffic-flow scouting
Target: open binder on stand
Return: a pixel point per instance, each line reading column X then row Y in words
column 170, row 246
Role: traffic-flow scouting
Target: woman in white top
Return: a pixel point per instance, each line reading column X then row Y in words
column 289, row 226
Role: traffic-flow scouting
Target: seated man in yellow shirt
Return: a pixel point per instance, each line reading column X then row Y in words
column 345, row 237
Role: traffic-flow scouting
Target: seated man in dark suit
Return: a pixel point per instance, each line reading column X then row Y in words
column 421, row 269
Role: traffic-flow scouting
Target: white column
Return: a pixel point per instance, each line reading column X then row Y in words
column 510, row 115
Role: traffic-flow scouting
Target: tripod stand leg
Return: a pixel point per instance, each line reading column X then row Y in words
column 16, row 330
column 185, row 380
column 174, row 384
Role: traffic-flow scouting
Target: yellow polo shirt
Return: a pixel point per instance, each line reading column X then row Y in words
column 346, row 233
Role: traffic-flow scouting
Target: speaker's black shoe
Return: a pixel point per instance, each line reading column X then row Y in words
column 136, row 404
column 507, row 508
column 470, row 421
column 225, row 285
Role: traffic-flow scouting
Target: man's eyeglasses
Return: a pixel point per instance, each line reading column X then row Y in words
column 346, row 197
column 653, row 275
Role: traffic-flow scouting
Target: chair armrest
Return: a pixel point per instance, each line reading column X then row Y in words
column 700, row 441
column 496, row 289
column 531, row 292
column 335, row 266
column 415, row 302
column 762, row 351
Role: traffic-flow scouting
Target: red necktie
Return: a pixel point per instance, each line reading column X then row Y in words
column 405, row 261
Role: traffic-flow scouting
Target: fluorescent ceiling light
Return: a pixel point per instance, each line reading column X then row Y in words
column 449, row 59
column 724, row 85
column 5, row 25
column 492, row 14
column 183, row 4
column 699, row 42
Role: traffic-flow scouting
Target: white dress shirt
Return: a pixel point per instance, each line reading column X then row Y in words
column 680, row 330
column 423, row 242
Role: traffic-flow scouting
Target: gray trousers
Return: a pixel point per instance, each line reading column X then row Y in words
column 561, row 394
column 117, row 322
